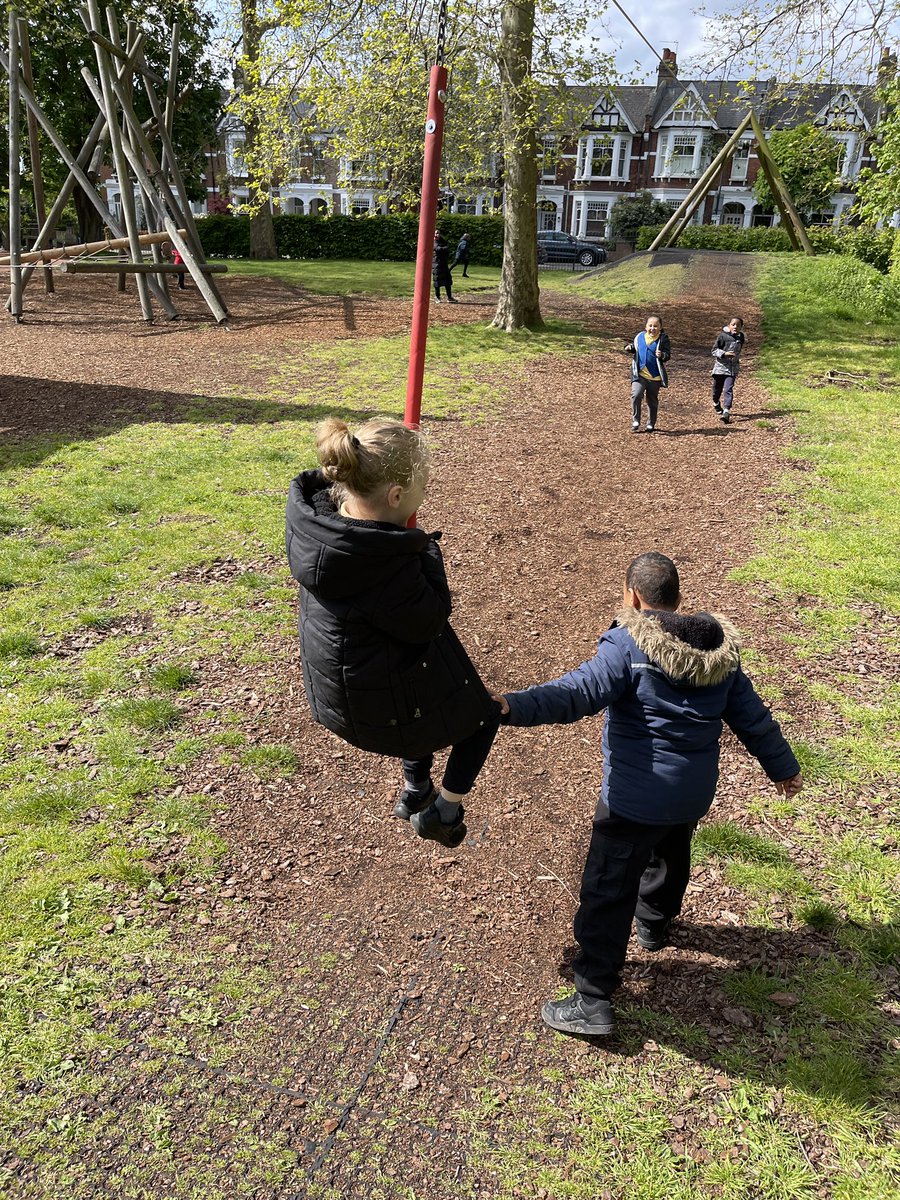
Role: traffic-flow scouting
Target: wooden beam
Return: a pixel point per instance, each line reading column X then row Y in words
column 15, row 199
column 75, row 267
column 789, row 214
column 698, row 191
column 58, row 252
column 34, row 145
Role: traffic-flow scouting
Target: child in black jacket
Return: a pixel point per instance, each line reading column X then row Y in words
column 727, row 353
column 381, row 666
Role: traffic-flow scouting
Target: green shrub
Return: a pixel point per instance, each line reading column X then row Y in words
column 895, row 256
column 870, row 246
column 392, row 238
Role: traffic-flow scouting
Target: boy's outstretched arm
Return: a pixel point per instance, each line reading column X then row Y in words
column 754, row 725
column 580, row 693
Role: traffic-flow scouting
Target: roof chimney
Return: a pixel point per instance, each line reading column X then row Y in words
column 886, row 71
column 668, row 67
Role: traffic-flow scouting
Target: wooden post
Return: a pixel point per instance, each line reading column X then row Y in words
column 126, row 195
column 15, row 199
column 687, row 206
column 796, row 230
column 183, row 209
column 163, row 196
column 62, row 150
column 34, row 147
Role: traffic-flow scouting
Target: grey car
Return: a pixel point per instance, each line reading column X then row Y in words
column 553, row 246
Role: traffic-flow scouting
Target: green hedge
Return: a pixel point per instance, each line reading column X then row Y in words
column 870, row 246
column 392, row 237
column 895, row 255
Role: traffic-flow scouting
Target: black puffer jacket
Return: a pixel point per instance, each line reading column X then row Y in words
column 381, row 665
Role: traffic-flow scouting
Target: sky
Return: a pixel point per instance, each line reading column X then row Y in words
column 663, row 23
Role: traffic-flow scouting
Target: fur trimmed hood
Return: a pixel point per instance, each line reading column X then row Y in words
column 700, row 650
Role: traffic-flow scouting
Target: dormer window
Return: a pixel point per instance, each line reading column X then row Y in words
column 687, row 111
column 842, row 113
column 606, row 117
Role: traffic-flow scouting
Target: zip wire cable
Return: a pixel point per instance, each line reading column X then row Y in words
column 637, row 31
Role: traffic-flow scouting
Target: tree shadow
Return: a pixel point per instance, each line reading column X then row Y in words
column 789, row 1008
column 39, row 416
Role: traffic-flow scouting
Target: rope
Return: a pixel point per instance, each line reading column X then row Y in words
column 441, row 33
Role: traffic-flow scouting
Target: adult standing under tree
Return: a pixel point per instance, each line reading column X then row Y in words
column 440, row 269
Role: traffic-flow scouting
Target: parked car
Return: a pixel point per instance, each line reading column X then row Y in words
column 556, row 246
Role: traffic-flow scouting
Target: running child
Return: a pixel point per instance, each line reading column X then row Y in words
column 382, row 667
column 727, row 353
column 650, row 352
column 668, row 682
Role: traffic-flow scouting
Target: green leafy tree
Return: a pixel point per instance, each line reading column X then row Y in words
column 807, row 158
column 878, row 187
column 364, row 81
column 630, row 214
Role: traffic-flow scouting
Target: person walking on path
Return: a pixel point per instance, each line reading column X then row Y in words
column 462, row 254
column 382, row 667
column 440, row 269
column 650, row 351
column 668, row 682
column 727, row 353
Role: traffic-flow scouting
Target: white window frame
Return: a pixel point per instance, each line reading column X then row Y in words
column 619, row 148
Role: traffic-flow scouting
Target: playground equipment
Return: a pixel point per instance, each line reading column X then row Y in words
column 678, row 222
column 431, row 170
column 139, row 168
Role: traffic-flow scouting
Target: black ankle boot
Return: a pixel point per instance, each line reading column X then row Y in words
column 412, row 802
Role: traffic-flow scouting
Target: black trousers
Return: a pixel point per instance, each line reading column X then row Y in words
column 466, row 760
column 724, row 383
column 631, row 869
column 442, row 279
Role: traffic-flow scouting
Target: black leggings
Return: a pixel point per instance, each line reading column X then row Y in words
column 466, row 760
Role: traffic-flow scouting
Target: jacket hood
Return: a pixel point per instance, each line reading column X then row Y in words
column 335, row 557
column 700, row 649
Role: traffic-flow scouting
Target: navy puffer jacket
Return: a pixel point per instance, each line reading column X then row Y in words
column 381, row 665
column 668, row 682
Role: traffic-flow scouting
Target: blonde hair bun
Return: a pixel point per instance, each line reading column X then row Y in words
column 381, row 453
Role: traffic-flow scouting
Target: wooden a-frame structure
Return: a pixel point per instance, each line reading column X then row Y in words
column 142, row 156
column 678, row 222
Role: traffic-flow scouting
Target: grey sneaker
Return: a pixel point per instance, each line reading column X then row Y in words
column 648, row 428
column 652, row 937
column 726, row 416
column 428, row 825
column 588, row 1015
column 410, row 802
column 635, row 426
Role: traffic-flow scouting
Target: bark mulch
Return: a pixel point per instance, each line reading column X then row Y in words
column 406, row 980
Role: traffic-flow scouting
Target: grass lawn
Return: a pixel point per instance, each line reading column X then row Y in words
column 103, row 632
column 629, row 283
column 350, row 277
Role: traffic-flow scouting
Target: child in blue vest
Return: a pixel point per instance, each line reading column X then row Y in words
column 650, row 352
column 668, row 682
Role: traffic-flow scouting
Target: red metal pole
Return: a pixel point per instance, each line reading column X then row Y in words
column 431, row 170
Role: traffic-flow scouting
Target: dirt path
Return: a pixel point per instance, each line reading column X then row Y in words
column 407, row 980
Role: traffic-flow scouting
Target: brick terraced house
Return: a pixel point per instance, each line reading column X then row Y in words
column 657, row 138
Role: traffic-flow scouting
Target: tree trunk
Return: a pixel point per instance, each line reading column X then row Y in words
column 262, row 230
column 90, row 227
column 519, row 303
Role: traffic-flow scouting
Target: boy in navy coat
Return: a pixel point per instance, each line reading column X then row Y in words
column 668, row 682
